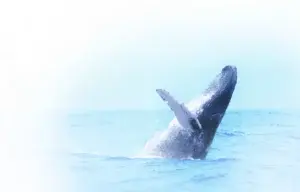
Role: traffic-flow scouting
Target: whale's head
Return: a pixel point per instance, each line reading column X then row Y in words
column 220, row 92
column 213, row 109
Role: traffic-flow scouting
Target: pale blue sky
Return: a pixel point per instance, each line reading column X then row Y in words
column 114, row 54
column 267, row 77
column 183, row 56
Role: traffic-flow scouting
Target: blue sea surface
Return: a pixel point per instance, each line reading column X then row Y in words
column 253, row 150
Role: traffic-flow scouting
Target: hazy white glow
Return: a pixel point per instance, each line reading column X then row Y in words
column 50, row 49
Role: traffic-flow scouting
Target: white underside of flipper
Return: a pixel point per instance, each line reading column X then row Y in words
column 182, row 114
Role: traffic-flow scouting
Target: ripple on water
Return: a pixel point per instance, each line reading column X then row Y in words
column 220, row 160
column 230, row 134
column 204, row 177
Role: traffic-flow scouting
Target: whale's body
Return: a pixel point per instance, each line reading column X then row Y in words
column 191, row 132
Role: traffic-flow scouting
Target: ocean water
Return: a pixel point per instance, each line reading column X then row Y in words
column 253, row 150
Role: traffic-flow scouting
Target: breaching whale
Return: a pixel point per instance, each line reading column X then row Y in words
column 191, row 133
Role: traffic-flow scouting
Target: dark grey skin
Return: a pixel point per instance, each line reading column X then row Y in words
column 210, row 108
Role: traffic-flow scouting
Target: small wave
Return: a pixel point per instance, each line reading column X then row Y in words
column 214, row 149
column 146, row 157
column 141, row 156
column 116, row 158
column 295, row 137
column 98, row 156
column 202, row 177
column 231, row 134
column 220, row 160
column 85, row 155
column 187, row 159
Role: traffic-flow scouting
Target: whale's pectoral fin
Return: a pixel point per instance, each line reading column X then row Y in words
column 184, row 116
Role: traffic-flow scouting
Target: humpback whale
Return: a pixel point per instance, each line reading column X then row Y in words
column 191, row 132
